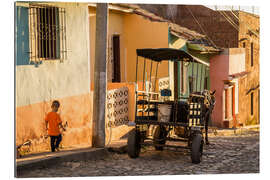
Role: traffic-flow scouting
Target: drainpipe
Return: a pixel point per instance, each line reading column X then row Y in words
column 100, row 76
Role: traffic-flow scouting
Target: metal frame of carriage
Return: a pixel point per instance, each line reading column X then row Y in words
column 149, row 130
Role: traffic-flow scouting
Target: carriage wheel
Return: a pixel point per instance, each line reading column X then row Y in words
column 134, row 146
column 196, row 148
column 159, row 134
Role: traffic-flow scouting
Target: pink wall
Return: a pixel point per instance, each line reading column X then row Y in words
column 230, row 61
column 219, row 70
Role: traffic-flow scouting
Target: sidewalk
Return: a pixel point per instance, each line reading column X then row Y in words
column 231, row 131
column 46, row 159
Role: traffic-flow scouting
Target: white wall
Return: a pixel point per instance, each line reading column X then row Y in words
column 236, row 61
column 53, row 79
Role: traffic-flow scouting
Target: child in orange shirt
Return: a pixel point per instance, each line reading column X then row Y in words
column 54, row 121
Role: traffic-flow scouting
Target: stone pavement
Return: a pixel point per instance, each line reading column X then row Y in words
column 231, row 152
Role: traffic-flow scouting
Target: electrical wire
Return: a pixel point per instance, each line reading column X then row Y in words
column 229, row 21
column 200, row 26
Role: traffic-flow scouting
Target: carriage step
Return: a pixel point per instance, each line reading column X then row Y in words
column 148, row 110
column 145, row 102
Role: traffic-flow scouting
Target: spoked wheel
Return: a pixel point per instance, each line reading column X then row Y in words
column 134, row 146
column 197, row 148
column 159, row 137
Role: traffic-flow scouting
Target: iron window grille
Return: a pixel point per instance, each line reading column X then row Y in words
column 47, row 33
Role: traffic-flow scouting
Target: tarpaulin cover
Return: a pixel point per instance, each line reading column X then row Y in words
column 164, row 54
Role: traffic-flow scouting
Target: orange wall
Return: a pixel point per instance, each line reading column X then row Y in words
column 75, row 110
column 142, row 33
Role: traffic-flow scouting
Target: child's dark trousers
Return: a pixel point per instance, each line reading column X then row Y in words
column 55, row 141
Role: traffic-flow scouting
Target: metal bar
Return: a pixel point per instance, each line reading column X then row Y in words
column 156, row 77
column 149, row 88
column 57, row 28
column 35, row 31
column 175, row 75
column 192, row 76
column 39, row 46
column 55, row 34
column 156, row 113
column 51, row 31
column 136, row 69
column 143, row 82
column 62, row 33
column 136, row 89
column 143, row 72
column 52, row 34
column 30, row 32
column 46, row 33
column 200, row 79
column 150, row 74
column 197, row 76
column 42, row 32
column 65, row 50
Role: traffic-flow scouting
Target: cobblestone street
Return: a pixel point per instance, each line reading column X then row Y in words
column 226, row 154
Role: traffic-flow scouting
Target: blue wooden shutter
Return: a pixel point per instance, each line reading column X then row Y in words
column 22, row 36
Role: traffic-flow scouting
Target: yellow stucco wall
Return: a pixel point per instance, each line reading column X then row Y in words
column 142, row 33
column 115, row 27
column 135, row 32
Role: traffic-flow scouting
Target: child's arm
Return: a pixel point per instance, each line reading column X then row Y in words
column 60, row 124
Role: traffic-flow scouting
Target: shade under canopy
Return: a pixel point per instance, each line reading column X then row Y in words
column 171, row 54
column 164, row 54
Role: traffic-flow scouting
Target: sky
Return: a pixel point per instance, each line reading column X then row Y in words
column 250, row 9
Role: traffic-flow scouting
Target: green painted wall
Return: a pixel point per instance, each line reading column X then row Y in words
column 197, row 70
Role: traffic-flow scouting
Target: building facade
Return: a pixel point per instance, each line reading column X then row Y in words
column 226, row 29
column 52, row 63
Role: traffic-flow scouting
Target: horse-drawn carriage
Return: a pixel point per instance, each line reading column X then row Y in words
column 160, row 118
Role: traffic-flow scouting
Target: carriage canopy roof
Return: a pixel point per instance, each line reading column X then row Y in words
column 161, row 54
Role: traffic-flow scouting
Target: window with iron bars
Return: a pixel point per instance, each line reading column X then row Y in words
column 47, row 30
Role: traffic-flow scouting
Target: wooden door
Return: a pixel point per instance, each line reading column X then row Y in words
column 116, row 59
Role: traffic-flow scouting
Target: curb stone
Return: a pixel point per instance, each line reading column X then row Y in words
column 87, row 154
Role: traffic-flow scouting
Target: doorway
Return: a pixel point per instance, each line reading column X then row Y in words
column 116, row 59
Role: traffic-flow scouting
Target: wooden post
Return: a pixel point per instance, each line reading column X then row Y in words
column 100, row 77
